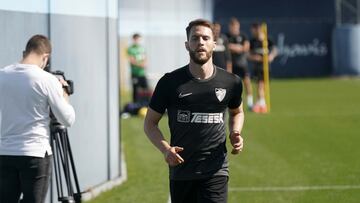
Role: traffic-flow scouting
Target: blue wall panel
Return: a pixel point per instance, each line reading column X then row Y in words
column 300, row 29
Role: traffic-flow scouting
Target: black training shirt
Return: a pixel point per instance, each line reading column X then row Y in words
column 238, row 59
column 221, row 54
column 196, row 110
column 256, row 47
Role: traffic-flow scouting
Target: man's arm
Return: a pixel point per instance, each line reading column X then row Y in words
column 59, row 104
column 229, row 66
column 273, row 53
column 228, row 57
column 259, row 58
column 133, row 61
column 154, row 134
column 236, row 121
column 238, row 48
column 255, row 57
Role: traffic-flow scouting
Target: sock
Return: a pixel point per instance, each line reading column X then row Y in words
column 262, row 102
column 250, row 101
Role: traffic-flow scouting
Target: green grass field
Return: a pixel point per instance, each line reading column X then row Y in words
column 311, row 138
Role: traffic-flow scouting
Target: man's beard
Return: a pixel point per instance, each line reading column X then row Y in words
column 199, row 60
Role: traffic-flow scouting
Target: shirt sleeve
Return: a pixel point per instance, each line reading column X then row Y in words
column 160, row 98
column 61, row 109
column 236, row 98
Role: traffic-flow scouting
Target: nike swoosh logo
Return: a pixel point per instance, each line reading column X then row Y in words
column 181, row 95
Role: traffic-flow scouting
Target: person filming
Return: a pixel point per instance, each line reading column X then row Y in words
column 27, row 94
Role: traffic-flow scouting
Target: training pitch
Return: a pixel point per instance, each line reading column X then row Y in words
column 305, row 150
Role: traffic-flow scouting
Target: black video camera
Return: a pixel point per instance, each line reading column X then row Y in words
column 60, row 75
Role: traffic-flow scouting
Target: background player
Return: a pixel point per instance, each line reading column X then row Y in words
column 137, row 58
column 221, row 54
column 256, row 57
column 239, row 47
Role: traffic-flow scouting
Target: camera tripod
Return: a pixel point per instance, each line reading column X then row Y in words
column 64, row 165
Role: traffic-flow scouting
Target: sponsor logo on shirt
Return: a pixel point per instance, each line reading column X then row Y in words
column 195, row 117
column 183, row 116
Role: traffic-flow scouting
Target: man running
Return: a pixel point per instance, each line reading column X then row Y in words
column 196, row 98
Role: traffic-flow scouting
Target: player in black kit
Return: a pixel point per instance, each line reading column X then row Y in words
column 256, row 57
column 221, row 55
column 239, row 47
column 196, row 98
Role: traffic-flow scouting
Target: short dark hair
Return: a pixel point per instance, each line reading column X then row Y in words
column 233, row 20
column 38, row 44
column 216, row 23
column 255, row 25
column 136, row 35
column 198, row 22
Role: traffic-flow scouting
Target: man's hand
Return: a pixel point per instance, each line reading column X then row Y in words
column 236, row 141
column 236, row 48
column 64, row 84
column 271, row 57
column 172, row 157
column 256, row 58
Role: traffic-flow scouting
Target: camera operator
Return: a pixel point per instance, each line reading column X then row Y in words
column 27, row 93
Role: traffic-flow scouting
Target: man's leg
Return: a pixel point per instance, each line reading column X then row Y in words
column 144, row 96
column 34, row 177
column 260, row 106
column 143, row 83
column 135, row 83
column 248, row 88
column 244, row 74
column 183, row 191
column 135, row 86
column 213, row 190
column 261, row 93
column 9, row 179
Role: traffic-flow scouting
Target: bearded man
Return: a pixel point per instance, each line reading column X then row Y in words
column 196, row 98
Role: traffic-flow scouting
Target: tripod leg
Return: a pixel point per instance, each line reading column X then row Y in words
column 65, row 148
column 64, row 160
column 72, row 163
column 56, row 155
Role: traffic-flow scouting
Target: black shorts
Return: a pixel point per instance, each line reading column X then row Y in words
column 241, row 71
column 209, row 190
column 140, row 81
column 258, row 71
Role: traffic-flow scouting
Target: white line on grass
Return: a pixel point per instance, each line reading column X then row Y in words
column 294, row 188
column 290, row 188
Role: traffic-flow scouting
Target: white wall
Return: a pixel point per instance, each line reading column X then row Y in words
column 84, row 36
column 162, row 24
